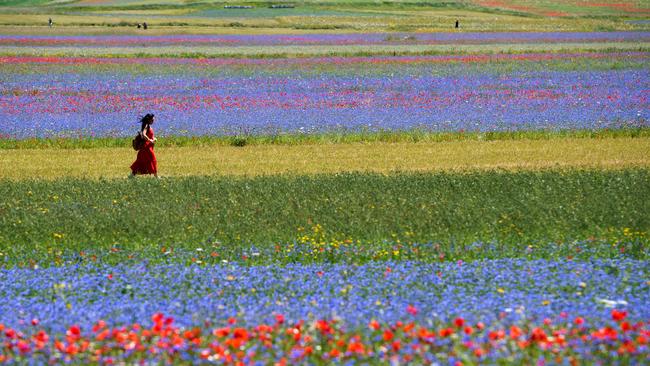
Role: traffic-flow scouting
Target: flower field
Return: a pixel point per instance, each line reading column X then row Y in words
column 341, row 183
column 529, row 311
column 98, row 282
column 101, row 97
column 325, row 39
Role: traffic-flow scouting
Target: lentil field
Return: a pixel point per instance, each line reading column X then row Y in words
column 340, row 183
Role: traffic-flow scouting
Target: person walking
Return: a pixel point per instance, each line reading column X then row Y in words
column 49, row 22
column 146, row 162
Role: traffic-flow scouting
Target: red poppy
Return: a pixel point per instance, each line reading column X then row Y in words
column 515, row 332
column 157, row 318
column 334, row 353
column 388, row 335
column 396, row 346
column 356, row 347
column 411, row 310
column 374, row 325
column 73, row 331
column 221, row 332
column 618, row 315
column 459, row 322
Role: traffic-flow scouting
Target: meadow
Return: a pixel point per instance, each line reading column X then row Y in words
column 342, row 182
column 452, row 209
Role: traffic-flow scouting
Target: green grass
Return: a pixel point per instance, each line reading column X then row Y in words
column 41, row 220
column 526, row 8
column 322, row 138
column 23, row 2
column 172, row 17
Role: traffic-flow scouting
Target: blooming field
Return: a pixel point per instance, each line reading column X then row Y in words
column 141, row 41
column 566, row 339
column 96, row 281
column 458, row 268
column 528, row 310
column 511, row 288
column 49, row 97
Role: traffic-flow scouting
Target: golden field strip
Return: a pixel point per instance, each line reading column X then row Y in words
column 612, row 153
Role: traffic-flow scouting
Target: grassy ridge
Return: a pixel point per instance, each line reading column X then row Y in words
column 322, row 138
column 38, row 218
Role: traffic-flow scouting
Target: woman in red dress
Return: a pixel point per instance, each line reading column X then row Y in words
column 146, row 162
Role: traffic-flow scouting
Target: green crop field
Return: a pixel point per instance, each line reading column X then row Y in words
column 167, row 17
column 141, row 217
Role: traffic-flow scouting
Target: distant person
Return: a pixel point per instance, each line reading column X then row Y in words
column 49, row 22
column 144, row 25
column 456, row 24
column 146, row 162
column 139, row 25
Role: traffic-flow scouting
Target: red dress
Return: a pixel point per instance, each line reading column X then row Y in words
column 146, row 162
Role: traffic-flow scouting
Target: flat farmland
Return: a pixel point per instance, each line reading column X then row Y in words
column 338, row 183
column 177, row 17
